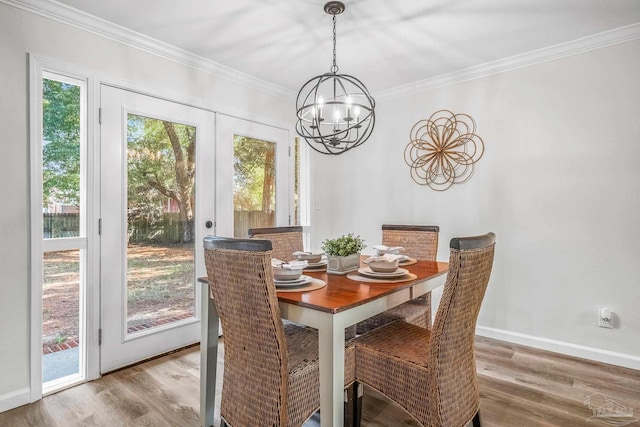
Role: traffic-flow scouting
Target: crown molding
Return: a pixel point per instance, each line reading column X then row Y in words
column 67, row 15
column 562, row 50
column 62, row 13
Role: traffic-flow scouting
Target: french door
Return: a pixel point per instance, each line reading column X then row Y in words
column 165, row 170
column 157, row 203
column 253, row 176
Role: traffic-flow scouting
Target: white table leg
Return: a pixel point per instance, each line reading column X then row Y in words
column 331, row 354
column 208, row 358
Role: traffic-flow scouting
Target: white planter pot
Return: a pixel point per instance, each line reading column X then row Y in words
column 343, row 264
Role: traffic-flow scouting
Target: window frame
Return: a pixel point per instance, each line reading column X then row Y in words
column 45, row 68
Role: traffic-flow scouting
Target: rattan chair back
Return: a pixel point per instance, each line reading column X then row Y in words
column 419, row 241
column 255, row 371
column 432, row 374
column 285, row 240
column 451, row 351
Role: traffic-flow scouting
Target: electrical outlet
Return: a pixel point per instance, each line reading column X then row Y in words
column 605, row 318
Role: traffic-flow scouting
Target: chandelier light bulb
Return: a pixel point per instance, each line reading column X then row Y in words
column 347, row 117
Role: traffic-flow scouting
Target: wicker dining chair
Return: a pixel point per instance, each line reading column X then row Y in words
column 432, row 373
column 271, row 370
column 285, row 240
column 419, row 242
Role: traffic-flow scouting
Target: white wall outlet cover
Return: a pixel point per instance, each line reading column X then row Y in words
column 605, row 318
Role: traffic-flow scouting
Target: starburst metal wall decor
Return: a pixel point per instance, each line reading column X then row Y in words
column 443, row 150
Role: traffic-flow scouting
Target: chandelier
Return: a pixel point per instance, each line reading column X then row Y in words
column 335, row 111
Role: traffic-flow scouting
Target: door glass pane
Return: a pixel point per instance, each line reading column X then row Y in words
column 63, row 139
column 296, row 182
column 61, row 115
column 60, row 314
column 161, row 206
column 254, row 195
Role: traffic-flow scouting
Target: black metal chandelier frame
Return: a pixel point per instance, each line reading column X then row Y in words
column 350, row 106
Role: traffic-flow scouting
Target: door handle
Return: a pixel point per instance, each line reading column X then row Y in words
column 208, row 224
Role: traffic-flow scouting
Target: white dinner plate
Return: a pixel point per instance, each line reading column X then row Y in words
column 302, row 280
column 298, row 279
column 317, row 264
column 368, row 272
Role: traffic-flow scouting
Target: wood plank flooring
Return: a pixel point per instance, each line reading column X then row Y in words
column 519, row 386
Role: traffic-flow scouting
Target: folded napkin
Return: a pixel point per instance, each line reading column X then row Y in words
column 388, row 248
column 386, row 257
column 296, row 253
column 291, row 265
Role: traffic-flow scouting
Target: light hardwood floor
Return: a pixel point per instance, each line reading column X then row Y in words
column 519, row 386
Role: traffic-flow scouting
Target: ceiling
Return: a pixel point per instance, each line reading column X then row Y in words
column 385, row 44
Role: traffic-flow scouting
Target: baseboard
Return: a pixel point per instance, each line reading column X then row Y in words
column 584, row 352
column 14, row 399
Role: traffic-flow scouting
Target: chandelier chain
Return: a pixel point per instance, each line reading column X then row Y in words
column 334, row 68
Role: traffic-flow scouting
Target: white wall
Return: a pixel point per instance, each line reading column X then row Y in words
column 559, row 184
column 21, row 33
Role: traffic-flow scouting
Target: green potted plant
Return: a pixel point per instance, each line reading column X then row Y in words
column 343, row 253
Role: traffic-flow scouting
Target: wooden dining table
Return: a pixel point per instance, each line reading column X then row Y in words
column 341, row 303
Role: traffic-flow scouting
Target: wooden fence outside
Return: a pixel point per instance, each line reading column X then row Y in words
column 56, row 225
column 166, row 229
column 244, row 220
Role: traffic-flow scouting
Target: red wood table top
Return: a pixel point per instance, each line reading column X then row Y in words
column 342, row 293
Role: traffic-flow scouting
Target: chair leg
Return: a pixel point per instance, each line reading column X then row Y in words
column 476, row 419
column 349, row 403
column 352, row 406
column 357, row 410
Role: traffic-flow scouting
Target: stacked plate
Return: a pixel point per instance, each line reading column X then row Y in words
column 368, row 272
column 302, row 280
column 310, row 257
column 315, row 266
